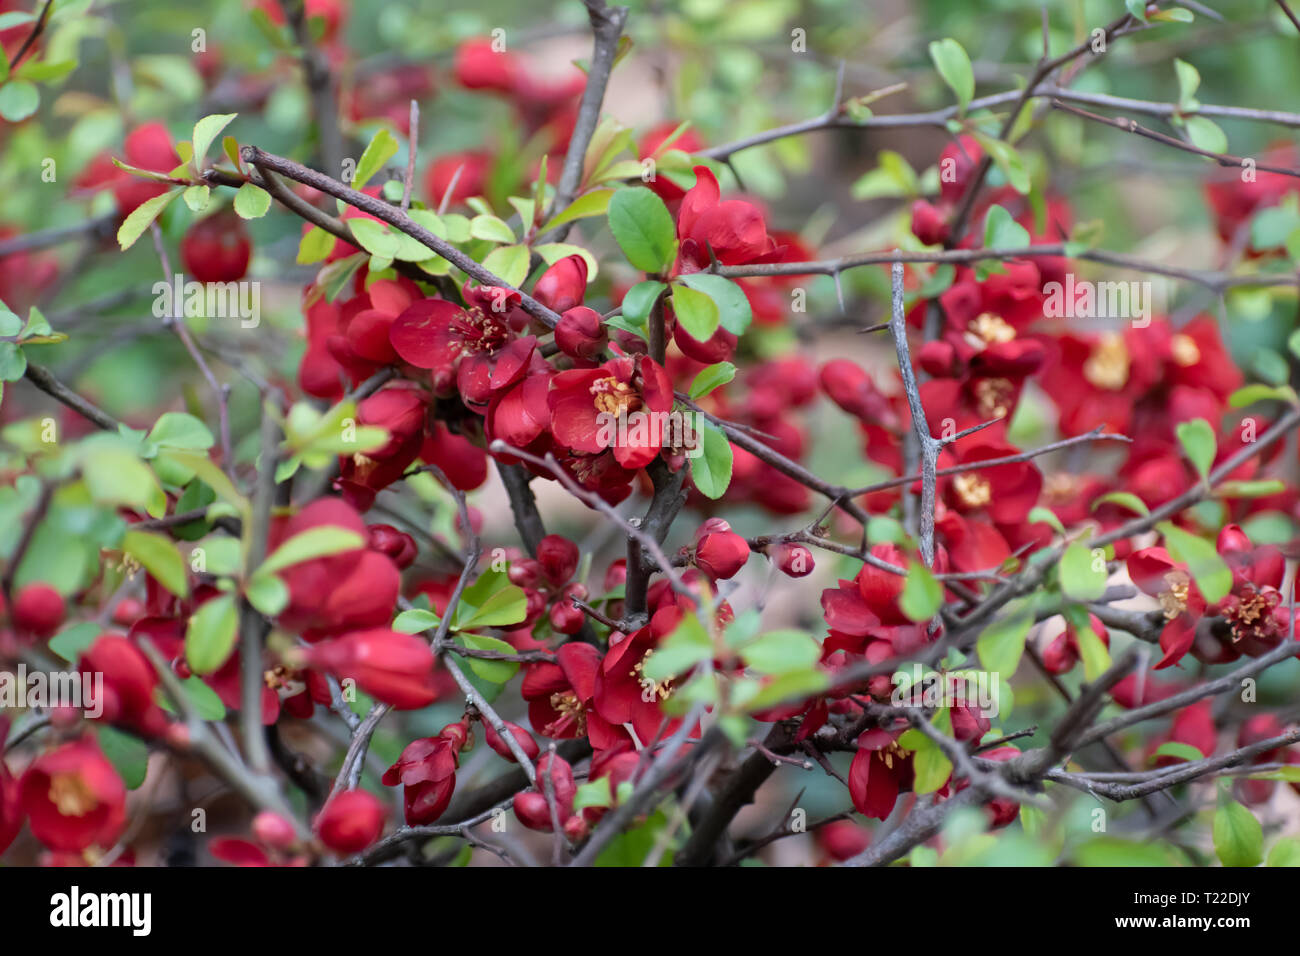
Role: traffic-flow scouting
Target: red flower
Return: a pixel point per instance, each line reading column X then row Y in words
column 217, row 248
column 73, row 797
column 1194, row 726
column 466, row 171
column 427, row 771
column 532, row 806
column 734, row 230
column 1255, row 610
column 400, row 410
column 350, row 821
column 392, row 667
column 880, row 770
column 1157, row 574
column 560, row 697
column 130, row 682
column 623, row 694
column 345, row 591
column 11, row 807
column 476, row 347
column 621, row 388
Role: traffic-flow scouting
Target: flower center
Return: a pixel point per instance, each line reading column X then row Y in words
column 651, row 689
column 994, row 397
column 888, row 753
column 972, row 490
column 1108, row 365
column 70, row 795
column 988, row 329
column 614, row 397
column 1185, row 350
column 1251, row 615
column 1060, row 487
column 480, row 332
column 571, row 711
column 1174, row 601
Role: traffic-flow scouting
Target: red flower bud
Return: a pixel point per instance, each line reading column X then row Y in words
column 398, row 545
column 957, row 165
column 350, row 822
column 929, row 224
column 563, row 285
column 522, row 737
column 580, row 333
column 525, row 572
column 794, row 560
column 851, row 389
column 38, row 610
column 274, row 830
column 719, row 347
column 721, row 554
column 129, row 684
column 394, row 668
column 565, row 618
column 711, row 526
column 217, row 248
column 480, row 67
column 558, row 557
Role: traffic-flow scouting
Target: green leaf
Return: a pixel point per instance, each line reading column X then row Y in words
column 317, row 542
column 315, row 245
column 1197, row 439
column 159, row 556
column 1003, row 232
column 492, row 229
column 197, row 197
column 1206, row 135
column 1285, row 852
column 643, row 229
column 711, row 469
column 1250, row 394
column 594, row 203
column 893, row 179
column 206, row 132
column 681, row 650
column 13, row 362
column 640, row 300
column 416, row 621
column 72, row 642
column 179, row 430
column 128, row 754
column 1046, row 516
column 1238, row 836
column 1211, row 572
column 696, row 313
column 788, row 687
column 210, row 637
column 922, row 594
column 18, row 100
column 252, row 202
column 1125, row 499
column 734, row 312
column 498, row 672
column 593, row 793
column 1002, row 643
column 491, row 601
column 115, row 476
column 712, row 377
column 510, row 263
column 1189, row 81
column 1250, row 489
column 141, row 217
column 932, row 768
column 383, row 147
column 781, row 652
column 954, row 66
column 1096, row 658
column 1080, row 578
column 1172, row 748
column 268, row 594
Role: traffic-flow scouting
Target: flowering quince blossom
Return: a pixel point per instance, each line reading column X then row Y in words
column 1047, row 511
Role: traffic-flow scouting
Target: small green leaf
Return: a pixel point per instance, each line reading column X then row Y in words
column 922, row 594
column 383, row 147
column 696, row 313
column 643, row 229
column 197, row 197
column 179, row 430
column 210, row 637
column 1002, row 643
column 252, row 202
column 1199, row 444
column 594, row 203
column 954, row 66
column 316, row 542
column 1212, row 574
column 681, row 650
column 316, row 244
column 734, row 312
column 1003, row 232
column 780, row 652
column 498, row 672
column 268, row 594
column 18, row 100
column 1083, row 574
column 1238, row 836
column 711, row 469
column 712, row 377
column 1206, row 135
column 510, row 263
column 158, row 555
column 128, row 754
column 1285, row 852
column 1125, row 499
column 492, row 229
column 1173, row 748
column 141, row 217
column 206, row 132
